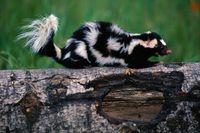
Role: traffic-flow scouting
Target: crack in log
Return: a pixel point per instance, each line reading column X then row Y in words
column 57, row 89
column 59, row 76
column 174, row 65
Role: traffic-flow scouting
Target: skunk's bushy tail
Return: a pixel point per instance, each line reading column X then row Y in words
column 39, row 36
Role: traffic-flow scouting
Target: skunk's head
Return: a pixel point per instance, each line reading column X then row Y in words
column 154, row 44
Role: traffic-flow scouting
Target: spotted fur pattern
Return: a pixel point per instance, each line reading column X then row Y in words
column 95, row 44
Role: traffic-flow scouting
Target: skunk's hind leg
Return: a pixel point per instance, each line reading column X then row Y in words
column 75, row 55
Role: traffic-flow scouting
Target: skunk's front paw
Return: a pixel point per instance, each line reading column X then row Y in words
column 129, row 71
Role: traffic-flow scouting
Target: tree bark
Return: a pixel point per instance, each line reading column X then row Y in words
column 163, row 98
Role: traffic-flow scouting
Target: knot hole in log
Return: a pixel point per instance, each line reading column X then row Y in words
column 139, row 97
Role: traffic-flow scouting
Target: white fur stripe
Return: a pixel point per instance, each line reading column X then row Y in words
column 113, row 44
column 67, row 56
column 135, row 34
column 106, row 60
column 163, row 42
column 132, row 45
column 39, row 32
column 116, row 29
column 91, row 36
column 148, row 32
column 81, row 50
column 58, row 52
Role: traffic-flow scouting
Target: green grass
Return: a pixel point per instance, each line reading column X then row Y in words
column 174, row 20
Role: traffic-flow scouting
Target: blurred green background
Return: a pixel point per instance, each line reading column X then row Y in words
column 175, row 20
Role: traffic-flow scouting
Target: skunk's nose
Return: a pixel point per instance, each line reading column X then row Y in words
column 168, row 51
column 165, row 51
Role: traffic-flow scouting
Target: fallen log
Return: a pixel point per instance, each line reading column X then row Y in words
column 165, row 98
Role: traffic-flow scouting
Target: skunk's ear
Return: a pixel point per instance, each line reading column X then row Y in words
column 149, row 43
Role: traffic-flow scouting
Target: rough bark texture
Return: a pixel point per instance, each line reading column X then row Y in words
column 164, row 98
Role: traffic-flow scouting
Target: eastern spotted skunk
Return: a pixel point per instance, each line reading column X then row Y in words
column 95, row 44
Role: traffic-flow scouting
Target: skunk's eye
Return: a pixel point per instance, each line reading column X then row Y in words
column 156, row 46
